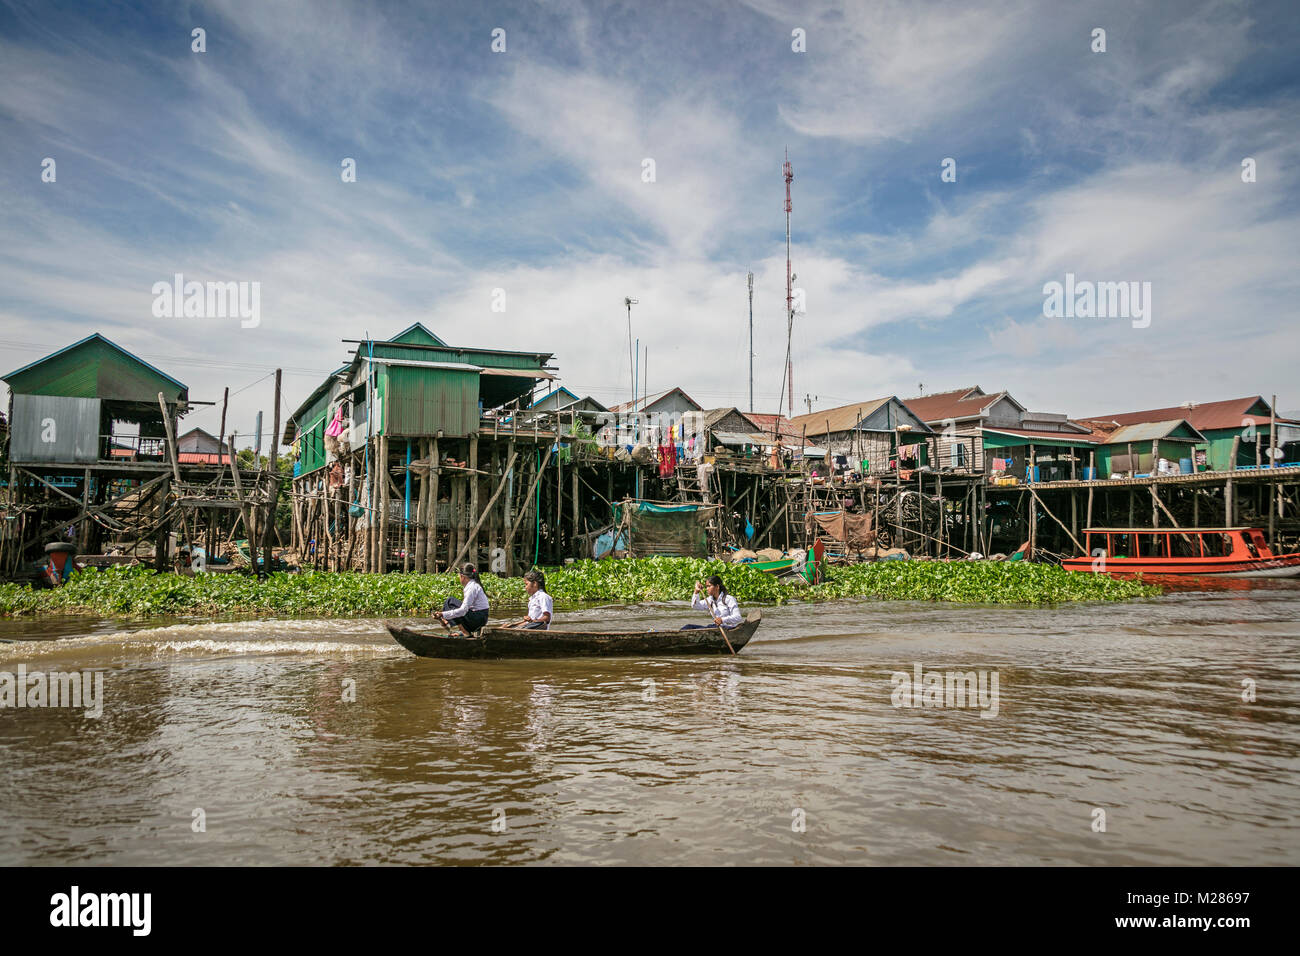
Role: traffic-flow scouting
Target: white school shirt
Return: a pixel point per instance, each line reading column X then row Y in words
column 727, row 608
column 539, row 604
column 474, row 600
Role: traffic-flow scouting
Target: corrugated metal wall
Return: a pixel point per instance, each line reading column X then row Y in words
column 51, row 428
column 312, row 448
column 420, row 401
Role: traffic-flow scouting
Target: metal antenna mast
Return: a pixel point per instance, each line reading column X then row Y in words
column 788, row 170
column 631, row 363
column 751, row 342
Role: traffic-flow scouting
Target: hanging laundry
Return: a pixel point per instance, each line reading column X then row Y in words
column 667, row 461
column 335, row 428
column 999, row 464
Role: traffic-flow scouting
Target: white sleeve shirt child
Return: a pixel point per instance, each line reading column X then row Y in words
column 474, row 600
column 539, row 604
column 725, row 608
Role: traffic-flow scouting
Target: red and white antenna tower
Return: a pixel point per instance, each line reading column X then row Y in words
column 788, row 170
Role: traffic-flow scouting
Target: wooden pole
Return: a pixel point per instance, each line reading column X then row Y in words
column 1033, row 523
column 559, row 492
column 1074, row 515
column 171, row 440
column 508, row 504
column 772, row 523
column 1229, row 503
column 577, row 513
column 421, row 508
column 473, row 535
column 493, row 538
column 898, row 504
column 524, row 512
column 473, row 501
column 1275, row 489
column 239, row 486
column 1258, row 485
column 406, row 512
column 435, row 470
column 938, row 490
column 221, row 438
column 1092, row 470
column 273, row 488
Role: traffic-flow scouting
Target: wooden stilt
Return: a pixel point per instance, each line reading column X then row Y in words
column 473, row 535
column 473, row 516
column 435, row 470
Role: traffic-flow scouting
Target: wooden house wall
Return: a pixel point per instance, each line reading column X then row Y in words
column 1003, row 412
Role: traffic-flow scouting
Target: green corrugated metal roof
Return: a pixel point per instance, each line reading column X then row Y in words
column 993, row 438
column 95, row 367
column 1173, row 429
column 417, row 334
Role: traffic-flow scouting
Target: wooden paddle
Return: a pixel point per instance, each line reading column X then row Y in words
column 725, row 638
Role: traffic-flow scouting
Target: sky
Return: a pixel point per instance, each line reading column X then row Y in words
column 503, row 197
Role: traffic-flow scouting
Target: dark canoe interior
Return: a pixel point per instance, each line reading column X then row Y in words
column 497, row 642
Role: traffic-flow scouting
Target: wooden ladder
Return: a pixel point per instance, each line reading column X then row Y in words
column 688, row 484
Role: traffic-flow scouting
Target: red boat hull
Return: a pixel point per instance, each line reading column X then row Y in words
column 1225, row 552
column 1282, row 566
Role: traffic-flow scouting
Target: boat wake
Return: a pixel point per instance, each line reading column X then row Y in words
column 331, row 639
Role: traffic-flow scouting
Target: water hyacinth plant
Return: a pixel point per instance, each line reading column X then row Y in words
column 977, row 582
column 143, row 592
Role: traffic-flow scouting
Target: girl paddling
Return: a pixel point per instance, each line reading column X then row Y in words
column 471, row 611
column 722, row 607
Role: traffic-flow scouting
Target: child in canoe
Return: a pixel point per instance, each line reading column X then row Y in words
column 540, row 606
column 471, row 610
column 722, row 607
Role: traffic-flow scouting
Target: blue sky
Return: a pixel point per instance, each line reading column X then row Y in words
column 522, row 171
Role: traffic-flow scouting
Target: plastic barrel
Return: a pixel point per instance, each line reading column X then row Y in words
column 1184, row 466
column 1089, row 474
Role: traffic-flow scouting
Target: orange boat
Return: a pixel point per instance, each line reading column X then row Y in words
column 1239, row 552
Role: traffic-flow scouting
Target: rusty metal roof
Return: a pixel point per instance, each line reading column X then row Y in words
column 842, row 419
column 1212, row 415
column 959, row 404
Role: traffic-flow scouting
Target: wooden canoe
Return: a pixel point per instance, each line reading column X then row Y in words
column 498, row 642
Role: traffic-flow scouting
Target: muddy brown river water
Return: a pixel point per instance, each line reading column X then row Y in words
column 1123, row 734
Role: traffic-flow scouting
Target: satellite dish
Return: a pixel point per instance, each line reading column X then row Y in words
column 1273, row 452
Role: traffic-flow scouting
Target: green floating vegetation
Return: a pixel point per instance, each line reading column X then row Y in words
column 977, row 582
column 143, row 592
